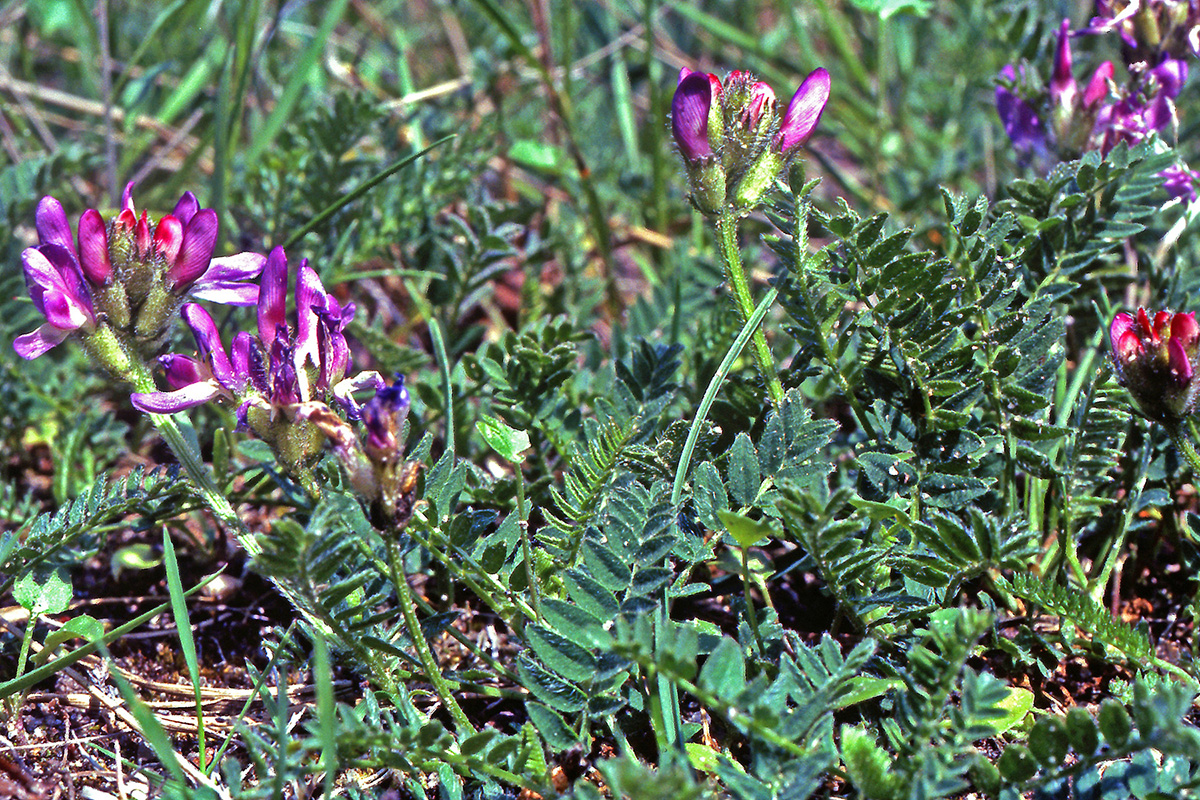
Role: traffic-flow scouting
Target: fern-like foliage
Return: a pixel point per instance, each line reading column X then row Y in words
column 332, row 571
column 933, row 737
column 852, row 564
column 594, row 464
column 149, row 495
column 612, row 446
column 1151, row 753
column 1074, row 221
column 525, row 370
column 1082, row 611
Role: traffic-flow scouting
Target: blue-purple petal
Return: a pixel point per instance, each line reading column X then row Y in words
column 178, row 400
column 272, row 296
column 31, row 345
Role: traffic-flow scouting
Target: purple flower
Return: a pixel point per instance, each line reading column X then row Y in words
column 283, row 367
column 1156, row 358
column 1020, row 121
column 691, row 111
column 185, row 240
column 733, row 142
column 1180, row 182
column 132, row 275
column 59, row 292
column 210, row 375
column 803, row 112
column 382, row 416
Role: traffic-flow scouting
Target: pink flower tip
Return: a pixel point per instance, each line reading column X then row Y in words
column 803, row 112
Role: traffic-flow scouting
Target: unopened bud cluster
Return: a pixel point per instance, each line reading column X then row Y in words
column 732, row 140
column 1155, row 358
column 374, row 463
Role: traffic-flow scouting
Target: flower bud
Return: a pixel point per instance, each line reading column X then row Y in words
column 1155, row 359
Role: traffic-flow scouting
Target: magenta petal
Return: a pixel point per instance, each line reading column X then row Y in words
column 1097, row 88
column 240, row 354
column 168, row 238
column 55, row 286
column 804, row 111
column 208, row 342
column 178, row 400
column 31, row 345
column 1121, row 323
column 272, row 296
column 63, row 311
column 52, row 225
column 93, row 248
column 182, row 371
column 689, row 116
column 1062, row 81
column 228, row 293
column 309, row 293
column 199, row 239
column 186, row 208
column 1181, row 368
column 238, row 267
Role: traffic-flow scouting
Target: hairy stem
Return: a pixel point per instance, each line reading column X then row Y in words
column 432, row 670
column 735, row 273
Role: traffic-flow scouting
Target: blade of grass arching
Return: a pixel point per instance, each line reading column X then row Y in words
column 359, row 191
column 714, row 385
column 254, row 691
column 493, row 12
column 668, row 695
column 326, row 720
column 36, row 676
column 187, row 644
column 152, row 730
column 443, row 360
column 300, row 72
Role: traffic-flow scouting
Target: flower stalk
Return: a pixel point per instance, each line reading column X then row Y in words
column 735, row 273
column 429, row 664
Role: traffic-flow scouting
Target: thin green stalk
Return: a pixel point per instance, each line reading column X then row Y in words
column 526, row 545
column 432, row 670
column 710, row 394
column 751, row 613
column 735, row 273
column 1096, row 585
column 189, row 458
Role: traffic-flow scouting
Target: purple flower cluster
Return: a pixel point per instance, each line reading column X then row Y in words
column 269, row 377
column 732, row 141
column 129, row 273
column 1156, row 359
column 1062, row 121
column 118, row 286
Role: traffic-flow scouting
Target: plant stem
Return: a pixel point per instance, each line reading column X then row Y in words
column 735, row 273
column 432, row 670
